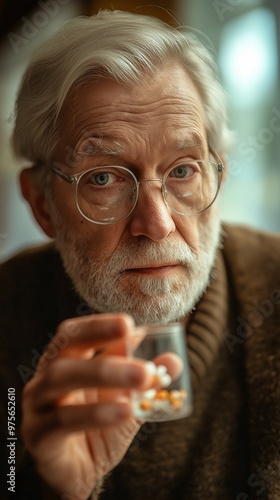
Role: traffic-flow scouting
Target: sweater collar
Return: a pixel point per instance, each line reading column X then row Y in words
column 206, row 329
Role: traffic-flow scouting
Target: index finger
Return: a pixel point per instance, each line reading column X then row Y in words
column 82, row 337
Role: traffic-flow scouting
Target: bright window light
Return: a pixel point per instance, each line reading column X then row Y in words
column 248, row 56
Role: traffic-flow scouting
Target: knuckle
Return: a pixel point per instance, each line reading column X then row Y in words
column 70, row 327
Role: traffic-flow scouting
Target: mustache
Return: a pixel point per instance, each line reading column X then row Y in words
column 143, row 253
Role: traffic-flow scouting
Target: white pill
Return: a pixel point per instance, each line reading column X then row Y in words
column 161, row 370
column 151, row 367
column 150, row 394
column 165, row 380
column 175, row 394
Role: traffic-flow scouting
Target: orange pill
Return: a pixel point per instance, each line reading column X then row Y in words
column 174, row 396
column 176, row 404
column 162, row 394
column 146, row 405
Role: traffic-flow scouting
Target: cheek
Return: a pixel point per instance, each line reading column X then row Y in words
column 101, row 246
column 195, row 229
column 209, row 227
column 63, row 195
column 188, row 228
column 99, row 241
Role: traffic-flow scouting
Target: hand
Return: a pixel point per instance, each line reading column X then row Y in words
column 77, row 420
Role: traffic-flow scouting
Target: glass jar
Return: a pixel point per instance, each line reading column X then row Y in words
column 169, row 397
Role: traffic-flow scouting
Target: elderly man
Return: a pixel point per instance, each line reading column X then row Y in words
column 124, row 122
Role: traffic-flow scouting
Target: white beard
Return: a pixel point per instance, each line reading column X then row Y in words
column 147, row 299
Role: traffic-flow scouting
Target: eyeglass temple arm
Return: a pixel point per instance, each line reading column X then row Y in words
column 67, row 178
column 220, row 164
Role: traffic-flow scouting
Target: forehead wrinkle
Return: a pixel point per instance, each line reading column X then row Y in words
column 119, row 124
column 174, row 102
column 168, row 111
column 120, row 111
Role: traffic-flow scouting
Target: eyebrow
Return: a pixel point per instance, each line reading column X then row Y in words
column 188, row 144
column 94, row 147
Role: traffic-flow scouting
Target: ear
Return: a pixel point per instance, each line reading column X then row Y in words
column 34, row 194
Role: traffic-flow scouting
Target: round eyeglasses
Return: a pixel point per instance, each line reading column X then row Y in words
column 108, row 194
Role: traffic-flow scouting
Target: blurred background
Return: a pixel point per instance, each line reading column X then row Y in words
column 244, row 35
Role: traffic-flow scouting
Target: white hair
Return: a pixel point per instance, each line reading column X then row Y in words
column 120, row 45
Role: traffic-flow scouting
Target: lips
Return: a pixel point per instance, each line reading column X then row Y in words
column 152, row 268
column 154, row 265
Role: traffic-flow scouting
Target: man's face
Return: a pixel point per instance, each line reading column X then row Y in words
column 155, row 264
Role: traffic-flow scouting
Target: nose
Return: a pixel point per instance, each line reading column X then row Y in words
column 151, row 217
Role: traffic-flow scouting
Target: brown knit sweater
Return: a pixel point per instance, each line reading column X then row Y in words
column 230, row 447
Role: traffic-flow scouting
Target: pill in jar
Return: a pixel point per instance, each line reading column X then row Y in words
column 159, row 403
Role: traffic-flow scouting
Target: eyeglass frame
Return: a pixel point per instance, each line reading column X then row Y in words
column 75, row 178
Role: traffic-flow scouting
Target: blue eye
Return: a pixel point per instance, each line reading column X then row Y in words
column 101, row 179
column 181, row 171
